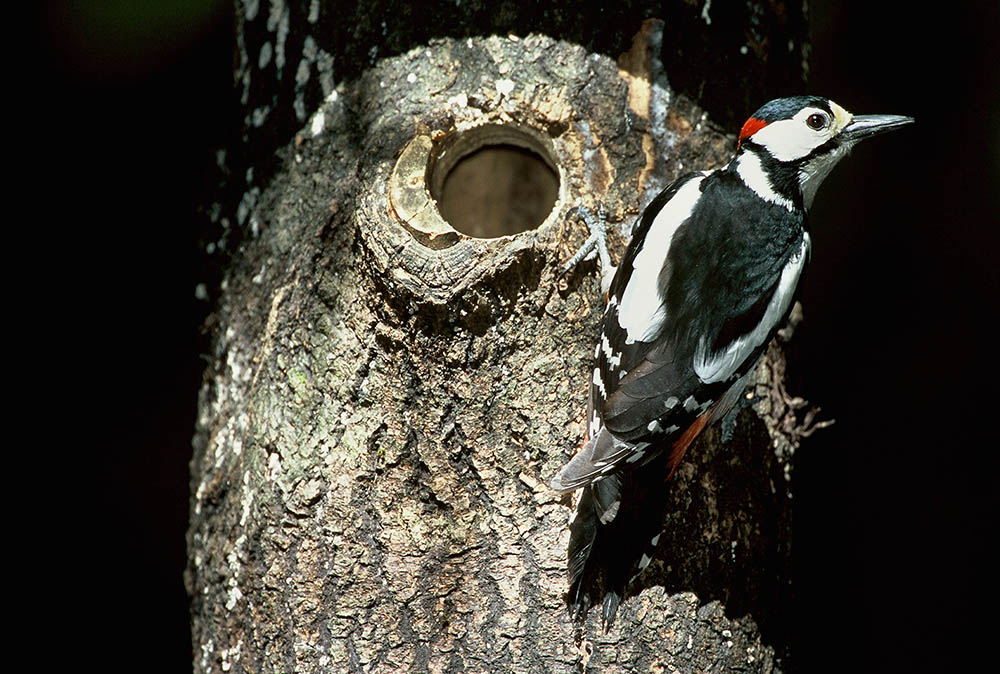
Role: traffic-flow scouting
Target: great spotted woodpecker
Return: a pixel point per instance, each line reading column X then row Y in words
column 707, row 278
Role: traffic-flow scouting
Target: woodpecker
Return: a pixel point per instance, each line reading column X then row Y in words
column 707, row 278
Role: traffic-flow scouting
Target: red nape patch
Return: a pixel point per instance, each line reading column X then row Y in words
column 752, row 126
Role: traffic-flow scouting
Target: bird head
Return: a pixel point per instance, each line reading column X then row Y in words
column 797, row 141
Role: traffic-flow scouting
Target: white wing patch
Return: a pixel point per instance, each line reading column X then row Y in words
column 635, row 456
column 690, row 405
column 721, row 365
column 614, row 360
column 596, row 381
column 642, row 311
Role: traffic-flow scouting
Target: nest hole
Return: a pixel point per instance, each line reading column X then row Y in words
column 493, row 181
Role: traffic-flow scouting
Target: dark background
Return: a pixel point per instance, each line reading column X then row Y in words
column 894, row 503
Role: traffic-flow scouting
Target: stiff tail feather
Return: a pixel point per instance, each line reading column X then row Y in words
column 613, row 535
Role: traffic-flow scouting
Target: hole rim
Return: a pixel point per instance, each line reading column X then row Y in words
column 449, row 151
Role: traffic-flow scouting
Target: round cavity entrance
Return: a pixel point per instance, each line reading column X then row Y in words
column 493, row 181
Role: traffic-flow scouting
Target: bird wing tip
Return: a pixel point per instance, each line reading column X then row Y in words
column 564, row 483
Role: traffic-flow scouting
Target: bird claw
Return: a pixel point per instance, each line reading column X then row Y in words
column 595, row 245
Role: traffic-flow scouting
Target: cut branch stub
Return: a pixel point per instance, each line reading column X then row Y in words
column 486, row 182
column 466, row 175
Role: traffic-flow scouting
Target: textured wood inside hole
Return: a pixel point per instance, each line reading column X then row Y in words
column 498, row 190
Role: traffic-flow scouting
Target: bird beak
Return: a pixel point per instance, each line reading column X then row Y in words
column 864, row 126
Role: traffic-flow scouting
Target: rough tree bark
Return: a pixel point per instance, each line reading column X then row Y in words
column 387, row 398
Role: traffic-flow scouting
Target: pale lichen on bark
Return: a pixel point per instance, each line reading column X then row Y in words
column 373, row 446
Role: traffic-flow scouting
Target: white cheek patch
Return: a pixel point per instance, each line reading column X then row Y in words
column 642, row 312
column 790, row 139
column 787, row 139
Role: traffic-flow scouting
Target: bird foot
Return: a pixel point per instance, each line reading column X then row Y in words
column 595, row 245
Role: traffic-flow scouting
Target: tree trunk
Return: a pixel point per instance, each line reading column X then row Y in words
column 390, row 392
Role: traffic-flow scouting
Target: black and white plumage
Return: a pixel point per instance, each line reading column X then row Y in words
column 707, row 278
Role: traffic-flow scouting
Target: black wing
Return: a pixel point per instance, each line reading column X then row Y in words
column 711, row 308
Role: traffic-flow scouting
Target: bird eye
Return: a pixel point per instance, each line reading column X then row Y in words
column 816, row 121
